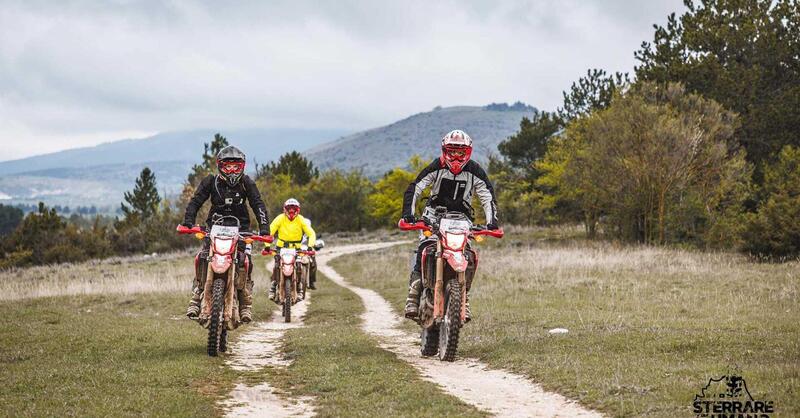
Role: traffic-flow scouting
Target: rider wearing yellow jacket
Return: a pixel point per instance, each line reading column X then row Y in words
column 288, row 229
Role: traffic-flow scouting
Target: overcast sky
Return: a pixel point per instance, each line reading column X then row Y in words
column 80, row 73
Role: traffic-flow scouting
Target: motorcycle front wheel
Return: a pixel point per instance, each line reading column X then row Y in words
column 451, row 323
column 287, row 300
column 216, row 324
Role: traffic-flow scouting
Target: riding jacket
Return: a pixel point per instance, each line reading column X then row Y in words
column 289, row 233
column 453, row 191
column 228, row 201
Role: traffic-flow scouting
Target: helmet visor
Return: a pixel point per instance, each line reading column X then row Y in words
column 231, row 167
column 456, row 153
column 291, row 210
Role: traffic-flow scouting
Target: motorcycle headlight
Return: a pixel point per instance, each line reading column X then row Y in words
column 223, row 246
column 288, row 259
column 455, row 241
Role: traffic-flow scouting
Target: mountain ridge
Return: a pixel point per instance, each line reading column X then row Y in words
column 378, row 150
column 261, row 145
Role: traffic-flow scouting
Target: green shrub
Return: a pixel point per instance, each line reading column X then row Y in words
column 774, row 232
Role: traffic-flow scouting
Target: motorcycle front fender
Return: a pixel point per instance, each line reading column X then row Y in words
column 456, row 260
column 288, row 269
column 220, row 263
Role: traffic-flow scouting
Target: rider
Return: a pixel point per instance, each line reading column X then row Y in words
column 453, row 178
column 288, row 229
column 228, row 191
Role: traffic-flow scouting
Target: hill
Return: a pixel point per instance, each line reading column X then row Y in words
column 100, row 175
column 378, row 150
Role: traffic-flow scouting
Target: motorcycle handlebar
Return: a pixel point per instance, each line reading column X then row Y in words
column 496, row 233
column 270, row 251
column 199, row 230
column 193, row 230
column 422, row 226
column 267, row 239
column 418, row 226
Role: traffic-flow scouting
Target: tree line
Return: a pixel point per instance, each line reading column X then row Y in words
column 698, row 147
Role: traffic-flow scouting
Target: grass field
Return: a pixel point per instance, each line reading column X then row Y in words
column 117, row 275
column 346, row 372
column 131, row 355
column 648, row 326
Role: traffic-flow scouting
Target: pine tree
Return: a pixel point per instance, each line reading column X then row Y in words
column 144, row 199
column 293, row 164
column 208, row 165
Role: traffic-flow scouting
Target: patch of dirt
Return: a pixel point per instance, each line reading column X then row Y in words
column 262, row 400
column 498, row 392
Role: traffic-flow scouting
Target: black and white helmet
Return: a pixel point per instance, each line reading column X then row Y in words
column 230, row 164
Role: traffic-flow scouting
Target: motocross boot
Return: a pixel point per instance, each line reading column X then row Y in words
column 312, row 279
column 193, row 311
column 412, row 301
column 246, row 302
column 273, row 287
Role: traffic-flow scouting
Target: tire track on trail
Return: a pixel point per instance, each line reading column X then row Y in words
column 499, row 392
column 260, row 346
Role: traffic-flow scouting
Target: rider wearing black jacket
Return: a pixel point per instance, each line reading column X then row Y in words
column 453, row 178
column 229, row 191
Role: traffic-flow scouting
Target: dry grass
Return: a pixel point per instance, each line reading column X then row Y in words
column 118, row 275
column 648, row 326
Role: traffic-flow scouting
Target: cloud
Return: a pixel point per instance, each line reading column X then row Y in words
column 83, row 69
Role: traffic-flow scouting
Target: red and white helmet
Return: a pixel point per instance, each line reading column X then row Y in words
column 291, row 208
column 456, row 150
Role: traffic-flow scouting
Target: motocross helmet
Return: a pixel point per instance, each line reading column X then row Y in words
column 291, row 208
column 230, row 164
column 456, row 150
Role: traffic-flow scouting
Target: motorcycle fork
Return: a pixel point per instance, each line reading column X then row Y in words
column 296, row 275
column 229, row 293
column 207, row 290
column 280, row 283
column 462, row 281
column 294, row 286
column 438, row 286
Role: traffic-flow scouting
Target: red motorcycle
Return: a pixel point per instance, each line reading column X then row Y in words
column 447, row 271
column 219, row 308
column 292, row 280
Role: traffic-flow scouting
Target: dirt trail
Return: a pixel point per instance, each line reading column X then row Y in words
column 259, row 346
column 499, row 392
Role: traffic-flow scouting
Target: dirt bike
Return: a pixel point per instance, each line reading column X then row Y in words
column 219, row 307
column 305, row 260
column 291, row 287
column 445, row 281
column 303, row 271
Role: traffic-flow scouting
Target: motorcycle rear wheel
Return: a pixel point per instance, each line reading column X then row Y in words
column 216, row 324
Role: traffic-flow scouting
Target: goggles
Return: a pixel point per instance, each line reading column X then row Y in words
column 231, row 167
